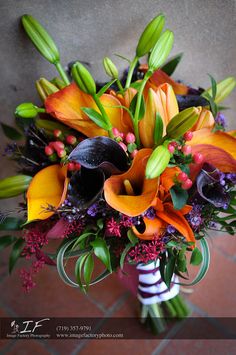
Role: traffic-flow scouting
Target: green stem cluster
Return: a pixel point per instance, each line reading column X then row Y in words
column 104, row 114
column 130, row 72
column 62, row 73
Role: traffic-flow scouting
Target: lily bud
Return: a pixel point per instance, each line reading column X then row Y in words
column 182, row 122
column 14, row 185
column 223, row 89
column 41, row 39
column 150, row 36
column 157, row 162
column 161, row 50
column 26, row 110
column 45, row 88
column 110, row 68
column 50, row 126
column 58, row 83
column 83, row 79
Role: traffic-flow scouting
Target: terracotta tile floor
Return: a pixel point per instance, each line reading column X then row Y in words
column 214, row 296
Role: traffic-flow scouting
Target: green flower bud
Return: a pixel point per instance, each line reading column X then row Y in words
column 83, row 79
column 182, row 122
column 41, row 39
column 150, row 36
column 26, row 110
column 223, row 89
column 157, row 162
column 58, row 83
column 14, row 185
column 161, row 50
column 45, row 88
column 110, row 68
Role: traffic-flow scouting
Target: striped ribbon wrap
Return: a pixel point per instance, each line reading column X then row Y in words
column 151, row 288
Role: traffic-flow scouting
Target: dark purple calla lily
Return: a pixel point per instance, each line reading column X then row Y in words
column 209, row 187
column 185, row 101
column 99, row 157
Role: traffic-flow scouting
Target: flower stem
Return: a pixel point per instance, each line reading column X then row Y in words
column 104, row 115
column 119, row 85
column 130, row 72
column 62, row 73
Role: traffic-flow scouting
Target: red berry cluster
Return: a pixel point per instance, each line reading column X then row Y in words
column 61, row 147
column 126, row 141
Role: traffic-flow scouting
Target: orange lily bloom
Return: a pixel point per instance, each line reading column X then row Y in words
column 165, row 212
column 65, row 105
column 48, row 187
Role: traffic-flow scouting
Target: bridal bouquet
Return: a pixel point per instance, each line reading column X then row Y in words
column 135, row 171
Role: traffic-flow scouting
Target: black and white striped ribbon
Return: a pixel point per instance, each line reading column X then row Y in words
column 151, row 288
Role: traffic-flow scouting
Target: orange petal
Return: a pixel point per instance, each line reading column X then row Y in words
column 168, row 177
column 160, row 77
column 217, row 139
column 65, row 105
column 205, row 120
column 145, row 190
column 48, row 187
column 154, row 228
column 177, row 220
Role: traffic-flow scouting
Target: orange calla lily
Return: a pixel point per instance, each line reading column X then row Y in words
column 48, row 187
column 154, row 228
column 144, row 190
column 65, row 105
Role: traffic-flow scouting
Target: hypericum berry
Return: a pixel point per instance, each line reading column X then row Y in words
column 71, row 166
column 77, row 166
column 182, row 177
column 188, row 136
column 71, row 140
column 57, row 145
column 61, row 153
column 123, row 146
column 48, row 150
column 134, row 153
column 116, row 132
column 198, row 158
column 187, row 149
column 57, row 133
column 175, row 144
column 187, row 184
column 130, row 138
column 171, row 148
column 122, row 135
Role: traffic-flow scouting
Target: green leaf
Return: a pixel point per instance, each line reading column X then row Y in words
column 132, row 106
column 170, row 66
column 169, row 270
column 88, row 269
column 213, row 87
column 158, row 129
column 14, row 185
column 213, row 105
column 6, row 240
column 122, row 57
column 181, row 264
column 79, row 268
column 100, row 223
column 105, row 87
column 132, row 237
column 163, row 262
column 11, row 224
column 136, row 85
column 102, row 252
column 95, row 117
column 179, row 197
column 15, row 253
column 124, row 253
column 204, row 266
column 11, row 132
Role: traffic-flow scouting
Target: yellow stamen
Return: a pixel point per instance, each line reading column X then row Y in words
column 128, row 188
